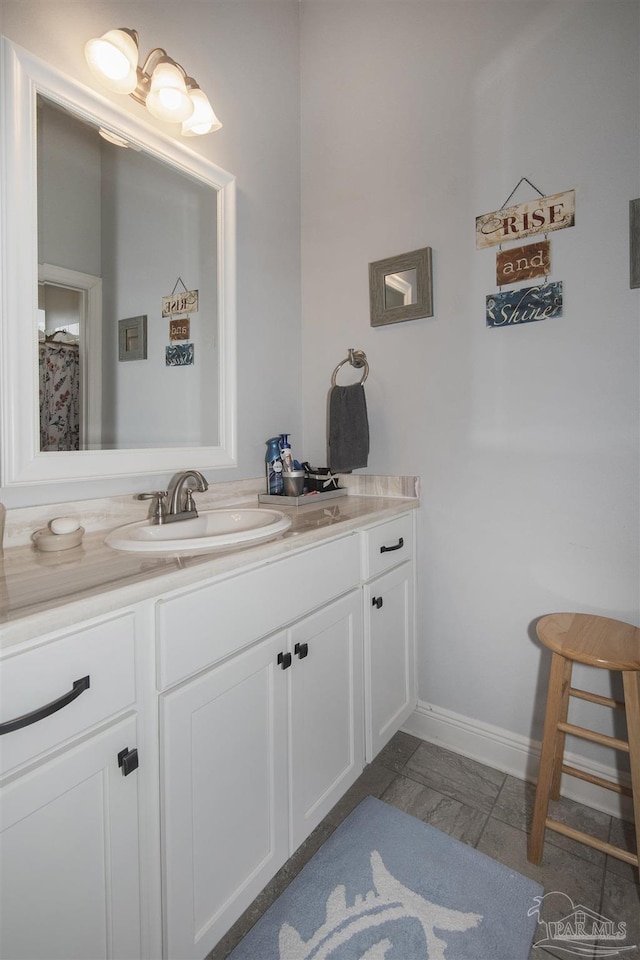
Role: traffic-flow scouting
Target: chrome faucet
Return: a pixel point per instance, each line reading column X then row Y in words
column 181, row 502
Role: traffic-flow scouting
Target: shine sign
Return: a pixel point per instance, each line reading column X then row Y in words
column 525, row 305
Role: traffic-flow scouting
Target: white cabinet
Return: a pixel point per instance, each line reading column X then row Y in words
column 69, row 877
column 389, row 631
column 224, row 795
column 68, row 846
column 251, row 696
column 326, row 697
column 237, row 798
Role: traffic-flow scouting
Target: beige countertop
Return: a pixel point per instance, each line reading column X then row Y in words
column 41, row 592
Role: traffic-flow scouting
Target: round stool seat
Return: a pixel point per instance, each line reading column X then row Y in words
column 596, row 641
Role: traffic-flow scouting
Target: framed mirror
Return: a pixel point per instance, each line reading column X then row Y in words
column 95, row 233
column 401, row 288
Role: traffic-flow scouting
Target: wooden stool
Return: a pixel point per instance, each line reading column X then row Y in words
column 598, row 642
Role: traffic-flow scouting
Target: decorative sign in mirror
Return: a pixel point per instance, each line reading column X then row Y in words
column 400, row 288
column 101, row 240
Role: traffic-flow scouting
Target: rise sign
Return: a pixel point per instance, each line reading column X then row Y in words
column 526, row 219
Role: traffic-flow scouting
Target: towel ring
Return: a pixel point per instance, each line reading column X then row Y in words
column 357, row 359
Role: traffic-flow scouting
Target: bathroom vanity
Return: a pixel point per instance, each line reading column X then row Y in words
column 232, row 699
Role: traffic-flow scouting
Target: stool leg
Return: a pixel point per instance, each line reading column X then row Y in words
column 631, row 682
column 554, row 790
column 550, row 757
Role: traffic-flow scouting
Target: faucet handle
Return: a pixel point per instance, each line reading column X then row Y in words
column 189, row 502
column 158, row 510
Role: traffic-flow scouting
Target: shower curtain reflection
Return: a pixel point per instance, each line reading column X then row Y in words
column 59, row 395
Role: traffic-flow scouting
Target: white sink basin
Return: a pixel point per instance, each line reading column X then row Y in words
column 211, row 530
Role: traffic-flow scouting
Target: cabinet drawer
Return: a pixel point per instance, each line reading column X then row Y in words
column 386, row 545
column 31, row 680
column 199, row 628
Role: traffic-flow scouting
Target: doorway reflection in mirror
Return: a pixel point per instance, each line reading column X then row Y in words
column 400, row 289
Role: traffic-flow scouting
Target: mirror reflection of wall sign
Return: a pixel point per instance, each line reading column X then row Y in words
column 634, row 243
column 526, row 219
column 179, row 355
column 523, row 263
column 525, row 305
column 401, row 288
column 132, row 338
column 186, row 302
column 179, row 329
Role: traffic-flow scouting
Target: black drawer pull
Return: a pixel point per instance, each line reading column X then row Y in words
column 376, row 602
column 398, row 546
column 284, row 659
column 28, row 718
column 301, row 650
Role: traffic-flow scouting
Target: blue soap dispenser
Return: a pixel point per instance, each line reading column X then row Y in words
column 273, row 465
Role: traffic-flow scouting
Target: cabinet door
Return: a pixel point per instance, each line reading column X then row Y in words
column 69, row 883
column 224, row 799
column 326, row 688
column 389, row 655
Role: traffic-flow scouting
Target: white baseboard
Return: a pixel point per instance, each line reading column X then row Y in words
column 513, row 754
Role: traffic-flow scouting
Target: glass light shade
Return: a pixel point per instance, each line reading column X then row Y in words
column 203, row 119
column 168, row 98
column 113, row 58
column 112, row 137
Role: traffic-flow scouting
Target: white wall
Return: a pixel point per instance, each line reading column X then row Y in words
column 147, row 204
column 68, row 192
column 246, row 57
column 416, row 118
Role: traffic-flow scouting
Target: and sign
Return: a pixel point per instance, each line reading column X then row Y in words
column 179, row 329
column 186, row 302
column 526, row 219
column 523, row 263
column 525, row 305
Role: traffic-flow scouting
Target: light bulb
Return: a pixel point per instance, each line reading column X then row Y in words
column 203, row 119
column 113, row 58
column 168, row 98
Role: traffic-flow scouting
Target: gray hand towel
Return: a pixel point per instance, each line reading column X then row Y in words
column 347, row 428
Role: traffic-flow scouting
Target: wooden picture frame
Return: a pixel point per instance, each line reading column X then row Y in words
column 634, row 244
column 401, row 288
column 132, row 338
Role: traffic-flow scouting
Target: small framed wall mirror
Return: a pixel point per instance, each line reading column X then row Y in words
column 401, row 288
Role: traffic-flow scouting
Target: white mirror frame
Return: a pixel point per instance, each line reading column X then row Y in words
column 23, row 76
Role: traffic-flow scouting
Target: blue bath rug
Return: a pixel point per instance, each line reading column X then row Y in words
column 386, row 886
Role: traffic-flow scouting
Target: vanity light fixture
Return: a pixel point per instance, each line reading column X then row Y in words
column 161, row 84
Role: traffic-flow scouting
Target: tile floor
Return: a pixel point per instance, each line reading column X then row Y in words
column 490, row 811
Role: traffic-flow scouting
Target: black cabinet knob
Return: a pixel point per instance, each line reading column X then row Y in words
column 284, row 659
column 128, row 761
column 377, row 602
column 301, row 650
